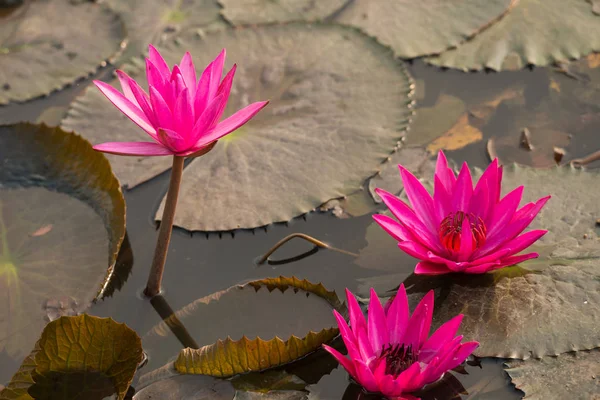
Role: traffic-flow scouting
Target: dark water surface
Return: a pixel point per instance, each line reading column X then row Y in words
column 199, row 264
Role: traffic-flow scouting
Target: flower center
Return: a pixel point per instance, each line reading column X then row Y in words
column 398, row 358
column 451, row 229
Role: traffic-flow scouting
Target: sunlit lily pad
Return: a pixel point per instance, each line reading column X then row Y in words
column 62, row 221
column 80, row 357
column 154, row 21
column 549, row 306
column 241, row 12
column 570, row 215
column 414, row 29
column 246, row 315
column 536, row 32
column 46, row 45
column 339, row 105
column 517, row 313
column 574, row 376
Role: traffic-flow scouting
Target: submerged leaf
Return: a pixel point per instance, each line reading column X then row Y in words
column 414, row 29
column 457, row 137
column 536, row 32
column 38, row 57
column 70, row 357
column 574, row 376
column 230, row 357
column 61, row 209
column 430, row 123
column 241, row 12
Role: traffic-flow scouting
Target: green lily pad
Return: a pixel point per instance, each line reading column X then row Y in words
column 57, row 42
column 61, row 209
column 549, row 306
column 518, row 313
column 534, row 32
column 242, row 12
column 574, row 376
column 80, row 357
column 155, row 21
column 570, row 215
column 339, row 106
column 246, row 306
column 413, row 29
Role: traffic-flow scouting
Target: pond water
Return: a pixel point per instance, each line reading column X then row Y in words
column 200, row 264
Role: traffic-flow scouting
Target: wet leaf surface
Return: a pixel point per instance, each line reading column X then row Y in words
column 71, row 43
column 573, row 376
column 428, row 27
column 537, row 32
column 241, row 12
column 156, row 21
column 244, row 341
column 80, row 357
column 52, row 182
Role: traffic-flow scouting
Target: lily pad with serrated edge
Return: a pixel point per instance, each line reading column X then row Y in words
column 237, row 309
column 154, row 21
column 327, row 106
column 38, row 57
column 518, row 313
column 413, row 29
column 549, row 306
column 534, row 32
column 61, row 209
column 80, row 356
column 242, row 12
column 339, row 106
column 574, row 376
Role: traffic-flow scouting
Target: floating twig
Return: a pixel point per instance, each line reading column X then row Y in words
column 318, row 245
column 580, row 162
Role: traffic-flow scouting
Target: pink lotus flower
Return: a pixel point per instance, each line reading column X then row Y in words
column 181, row 115
column 461, row 229
column 392, row 353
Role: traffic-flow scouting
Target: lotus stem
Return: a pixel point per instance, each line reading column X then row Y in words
column 308, row 238
column 170, row 319
column 166, row 228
